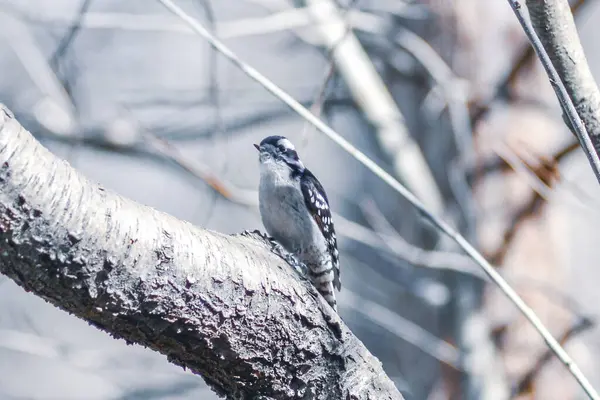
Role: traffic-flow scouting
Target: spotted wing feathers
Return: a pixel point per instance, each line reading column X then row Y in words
column 317, row 203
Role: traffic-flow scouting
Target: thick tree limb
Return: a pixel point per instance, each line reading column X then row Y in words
column 223, row 306
column 554, row 24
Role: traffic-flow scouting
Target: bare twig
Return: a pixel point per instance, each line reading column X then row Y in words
column 228, row 191
column 416, row 256
column 498, row 164
column 67, row 40
column 214, row 93
column 317, row 106
column 542, row 178
column 526, row 382
column 524, row 213
column 397, row 186
column 539, row 178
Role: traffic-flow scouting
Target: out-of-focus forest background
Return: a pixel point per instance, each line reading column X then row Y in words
column 133, row 99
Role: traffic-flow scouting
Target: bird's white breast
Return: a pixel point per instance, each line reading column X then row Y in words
column 284, row 213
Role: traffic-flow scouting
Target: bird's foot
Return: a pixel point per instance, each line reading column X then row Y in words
column 288, row 257
column 280, row 251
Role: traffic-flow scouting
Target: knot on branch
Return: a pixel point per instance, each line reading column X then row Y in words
column 7, row 114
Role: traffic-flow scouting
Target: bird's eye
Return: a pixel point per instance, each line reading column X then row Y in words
column 292, row 154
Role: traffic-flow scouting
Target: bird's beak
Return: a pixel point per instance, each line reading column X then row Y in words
column 257, row 147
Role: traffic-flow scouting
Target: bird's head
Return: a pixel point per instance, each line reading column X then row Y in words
column 277, row 152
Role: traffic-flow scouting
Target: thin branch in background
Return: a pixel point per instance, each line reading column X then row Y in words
column 68, row 39
column 532, row 208
column 59, row 53
column 537, row 173
column 317, row 106
column 529, row 210
column 550, row 166
column 441, row 225
column 195, row 132
column 542, row 178
column 565, row 151
column 215, row 98
column 498, row 164
column 416, row 256
column 237, row 195
column 554, row 294
column 526, row 383
column 575, row 122
column 55, row 110
column 144, row 143
column 403, row 328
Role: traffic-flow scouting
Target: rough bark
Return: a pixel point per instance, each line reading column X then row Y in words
column 555, row 26
column 223, row 306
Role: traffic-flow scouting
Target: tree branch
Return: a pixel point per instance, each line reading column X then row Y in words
column 554, row 24
column 223, row 306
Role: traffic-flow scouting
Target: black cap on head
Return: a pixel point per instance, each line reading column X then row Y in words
column 273, row 140
column 281, row 143
column 283, row 150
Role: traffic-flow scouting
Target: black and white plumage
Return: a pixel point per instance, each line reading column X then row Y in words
column 295, row 211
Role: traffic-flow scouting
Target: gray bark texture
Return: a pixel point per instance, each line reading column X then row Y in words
column 554, row 24
column 226, row 307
